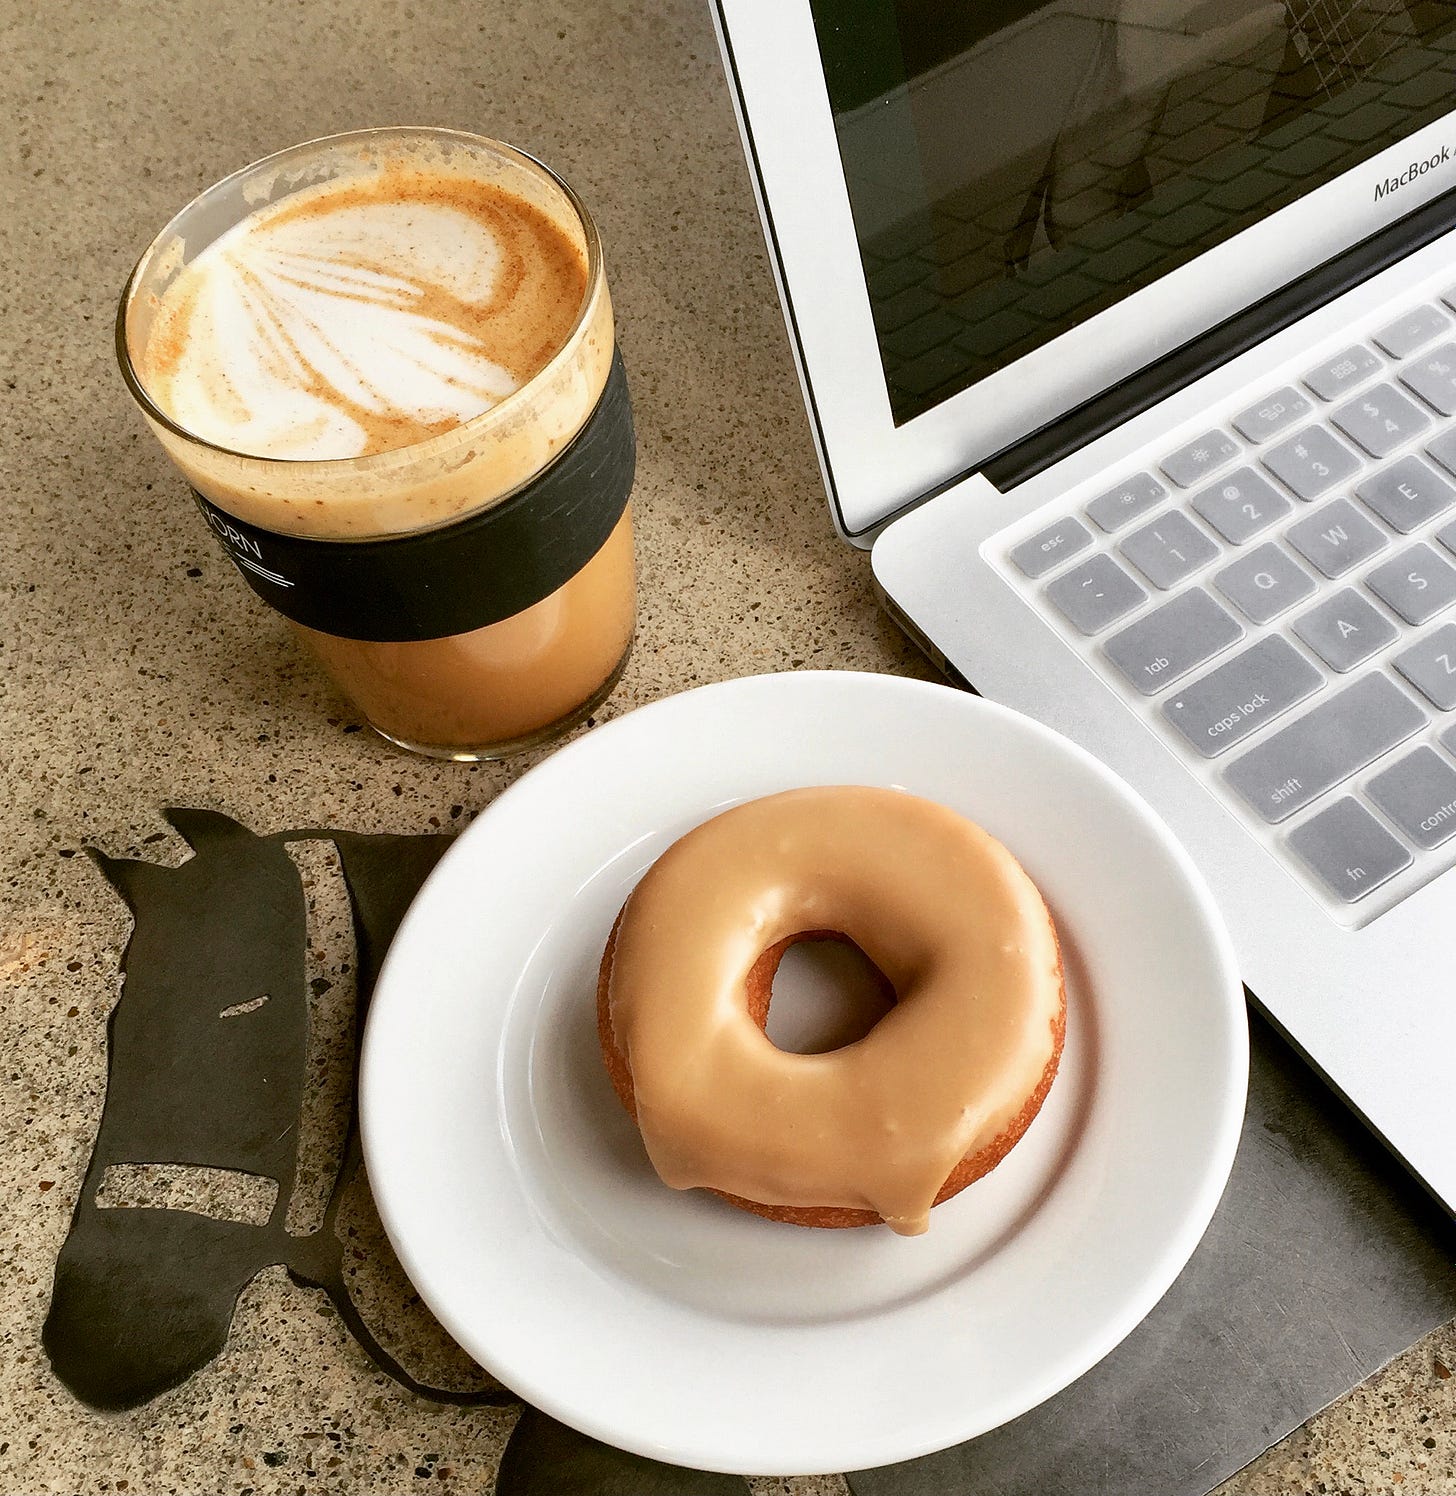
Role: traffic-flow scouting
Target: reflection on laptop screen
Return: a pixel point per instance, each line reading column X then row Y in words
column 1015, row 168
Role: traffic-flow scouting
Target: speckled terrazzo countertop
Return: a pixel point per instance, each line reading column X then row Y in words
column 136, row 671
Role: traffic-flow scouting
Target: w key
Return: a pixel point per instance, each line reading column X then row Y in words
column 1167, row 643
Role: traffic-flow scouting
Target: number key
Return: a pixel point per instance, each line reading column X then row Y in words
column 1169, row 549
column 1433, row 378
column 1241, row 505
column 1311, row 462
column 1381, row 420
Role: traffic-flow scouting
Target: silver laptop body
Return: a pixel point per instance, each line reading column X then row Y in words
column 1127, row 331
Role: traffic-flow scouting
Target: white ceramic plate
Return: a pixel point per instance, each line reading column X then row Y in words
column 521, row 1203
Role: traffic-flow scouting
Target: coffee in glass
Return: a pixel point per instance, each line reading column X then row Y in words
column 385, row 363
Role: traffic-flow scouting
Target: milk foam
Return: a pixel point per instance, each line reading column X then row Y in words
column 343, row 329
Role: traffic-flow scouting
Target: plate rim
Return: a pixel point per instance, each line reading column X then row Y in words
column 1176, row 1250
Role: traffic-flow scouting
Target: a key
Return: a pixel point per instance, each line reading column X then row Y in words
column 1169, row 549
column 1095, row 594
column 1241, row 505
column 1447, row 536
column 1119, row 506
column 1276, row 413
column 1430, row 667
column 1168, row 643
column 1417, row 584
column 1433, row 378
column 1049, row 547
column 1336, row 538
column 1256, row 686
column 1348, row 850
column 1344, row 630
column 1381, row 419
column 1407, row 494
column 1265, row 583
column 1414, row 330
column 1192, row 464
column 1311, row 462
column 1342, row 372
column 1419, row 795
column 1297, row 764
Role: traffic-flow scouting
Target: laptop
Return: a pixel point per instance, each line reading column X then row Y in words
column 1127, row 331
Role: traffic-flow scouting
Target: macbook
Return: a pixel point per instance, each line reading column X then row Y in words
column 1127, row 332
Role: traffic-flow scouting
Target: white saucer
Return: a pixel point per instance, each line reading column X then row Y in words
column 521, row 1203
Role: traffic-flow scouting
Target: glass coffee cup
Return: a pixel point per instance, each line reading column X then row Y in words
column 467, row 579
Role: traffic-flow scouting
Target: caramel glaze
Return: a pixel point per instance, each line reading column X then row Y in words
column 951, row 1075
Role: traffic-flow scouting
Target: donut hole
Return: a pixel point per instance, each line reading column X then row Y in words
column 816, row 992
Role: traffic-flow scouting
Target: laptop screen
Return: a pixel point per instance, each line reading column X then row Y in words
column 1015, row 168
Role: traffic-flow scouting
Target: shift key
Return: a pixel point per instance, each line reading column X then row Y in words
column 1170, row 641
column 1256, row 686
column 1338, row 738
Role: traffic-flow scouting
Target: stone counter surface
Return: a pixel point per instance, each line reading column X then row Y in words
column 137, row 671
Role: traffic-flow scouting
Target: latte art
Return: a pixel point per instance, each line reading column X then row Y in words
column 362, row 316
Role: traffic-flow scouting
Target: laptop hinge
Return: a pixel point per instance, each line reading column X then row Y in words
column 1137, row 393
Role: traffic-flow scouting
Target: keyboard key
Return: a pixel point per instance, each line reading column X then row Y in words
column 1414, row 330
column 1407, row 494
column 1121, row 505
column 1241, row 505
column 1051, row 546
column 1168, row 643
column 1345, row 630
column 1095, row 594
column 1381, row 420
column 1336, row 538
column 1344, row 733
column 1433, row 378
column 1265, row 583
column 1443, row 449
column 1417, row 584
column 1348, row 850
column 1343, row 372
column 1447, row 536
column 1419, row 795
column 1276, row 413
column 1430, row 667
column 1311, row 463
column 1192, row 464
column 1169, row 549
column 1253, row 688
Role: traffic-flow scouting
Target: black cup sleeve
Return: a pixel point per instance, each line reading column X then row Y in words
column 477, row 571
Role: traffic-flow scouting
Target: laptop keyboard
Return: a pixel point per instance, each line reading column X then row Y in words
column 1280, row 594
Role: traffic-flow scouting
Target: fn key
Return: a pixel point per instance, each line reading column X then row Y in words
column 1348, row 850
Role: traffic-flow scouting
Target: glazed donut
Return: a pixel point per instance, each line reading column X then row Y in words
column 930, row 1099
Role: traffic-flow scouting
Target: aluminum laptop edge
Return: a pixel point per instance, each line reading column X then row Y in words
column 1029, row 253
